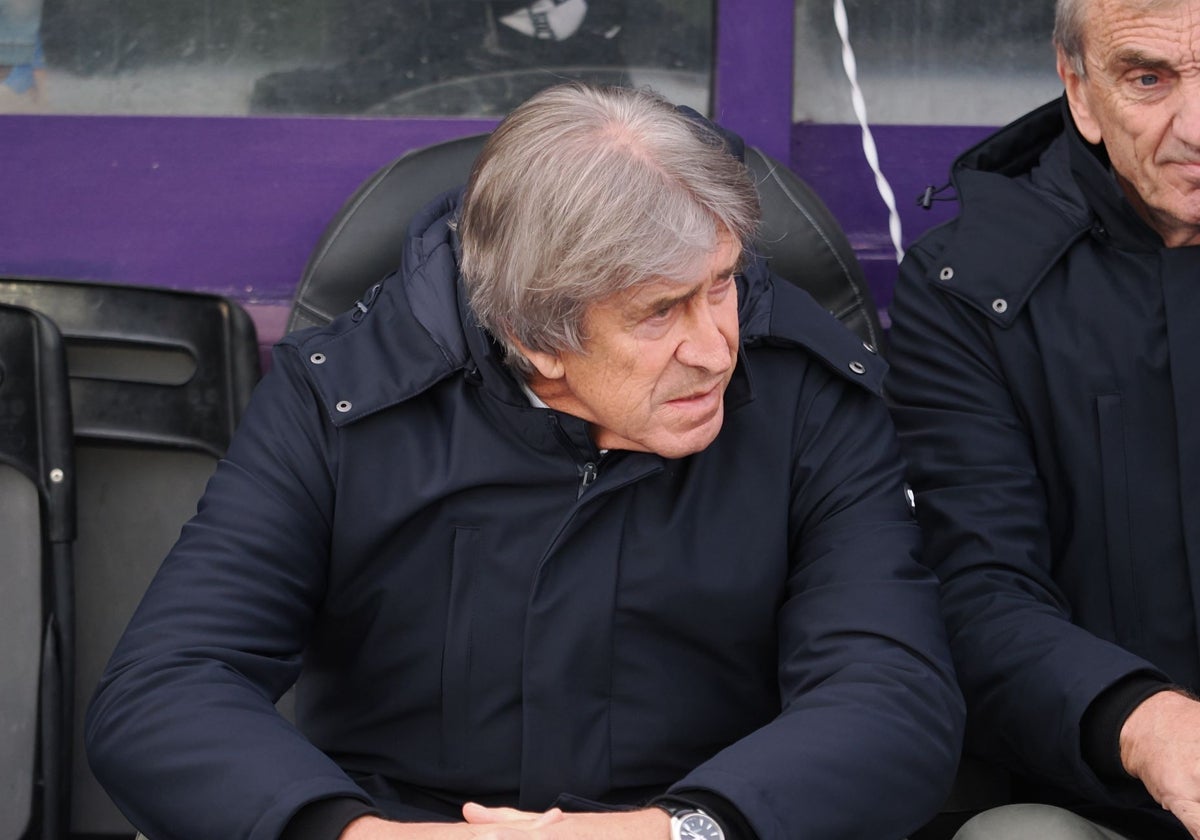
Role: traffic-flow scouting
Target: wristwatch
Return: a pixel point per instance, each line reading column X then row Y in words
column 690, row 823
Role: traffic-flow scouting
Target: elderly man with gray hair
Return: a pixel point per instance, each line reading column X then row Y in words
column 1047, row 395
column 581, row 525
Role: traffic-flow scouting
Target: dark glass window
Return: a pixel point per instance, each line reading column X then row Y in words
column 361, row 57
column 959, row 62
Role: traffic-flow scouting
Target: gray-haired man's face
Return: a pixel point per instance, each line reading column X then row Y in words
column 656, row 363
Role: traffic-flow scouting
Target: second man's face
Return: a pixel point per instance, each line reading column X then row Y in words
column 1141, row 97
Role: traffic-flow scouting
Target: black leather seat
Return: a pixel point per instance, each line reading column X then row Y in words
column 158, row 381
column 37, row 525
column 364, row 241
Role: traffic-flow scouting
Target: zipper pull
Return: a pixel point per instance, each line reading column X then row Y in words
column 587, row 474
column 362, row 305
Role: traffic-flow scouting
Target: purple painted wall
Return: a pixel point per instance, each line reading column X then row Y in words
column 830, row 159
column 227, row 205
column 235, row 205
column 753, row 75
column 230, row 205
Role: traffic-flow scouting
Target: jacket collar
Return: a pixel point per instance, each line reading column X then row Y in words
column 774, row 311
column 1015, row 186
column 415, row 329
column 1041, row 184
column 1092, row 171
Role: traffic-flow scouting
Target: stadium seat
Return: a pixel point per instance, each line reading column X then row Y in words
column 364, row 241
column 37, row 526
column 158, row 380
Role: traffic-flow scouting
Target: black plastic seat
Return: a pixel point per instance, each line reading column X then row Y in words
column 37, row 528
column 158, row 381
column 365, row 239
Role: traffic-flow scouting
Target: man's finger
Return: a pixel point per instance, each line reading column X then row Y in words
column 551, row 816
column 478, row 814
column 1188, row 813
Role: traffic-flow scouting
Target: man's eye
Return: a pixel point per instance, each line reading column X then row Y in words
column 721, row 286
column 1147, row 80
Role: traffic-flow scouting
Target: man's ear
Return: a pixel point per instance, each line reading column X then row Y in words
column 1077, row 98
column 548, row 365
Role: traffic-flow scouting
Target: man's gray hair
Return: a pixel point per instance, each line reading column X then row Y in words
column 1068, row 33
column 582, row 192
column 1070, row 21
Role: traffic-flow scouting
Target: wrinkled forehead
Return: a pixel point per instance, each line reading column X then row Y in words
column 1143, row 30
column 1103, row 7
column 1103, row 15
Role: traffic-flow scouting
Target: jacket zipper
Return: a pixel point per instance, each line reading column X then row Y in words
column 589, row 470
column 587, row 474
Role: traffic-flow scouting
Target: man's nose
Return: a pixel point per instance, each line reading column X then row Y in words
column 1187, row 116
column 706, row 346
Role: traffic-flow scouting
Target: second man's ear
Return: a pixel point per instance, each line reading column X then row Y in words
column 1078, row 98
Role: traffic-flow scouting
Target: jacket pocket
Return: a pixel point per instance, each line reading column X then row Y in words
column 1114, row 473
column 456, row 652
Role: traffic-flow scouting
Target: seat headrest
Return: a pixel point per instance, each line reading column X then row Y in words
column 365, row 241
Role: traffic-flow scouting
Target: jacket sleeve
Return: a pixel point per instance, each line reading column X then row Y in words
column 182, row 731
column 1027, row 672
column 869, row 734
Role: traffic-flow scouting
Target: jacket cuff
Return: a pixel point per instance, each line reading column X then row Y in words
column 1100, row 727
column 325, row 819
column 716, row 806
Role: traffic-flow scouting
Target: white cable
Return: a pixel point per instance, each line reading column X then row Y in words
column 868, row 142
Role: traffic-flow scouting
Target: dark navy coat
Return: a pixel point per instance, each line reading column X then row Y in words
column 1047, row 395
column 398, row 527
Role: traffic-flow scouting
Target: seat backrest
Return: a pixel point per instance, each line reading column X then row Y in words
column 365, row 239
column 158, row 381
column 37, row 527
column 804, row 244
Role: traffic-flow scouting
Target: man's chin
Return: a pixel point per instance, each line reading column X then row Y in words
column 694, row 440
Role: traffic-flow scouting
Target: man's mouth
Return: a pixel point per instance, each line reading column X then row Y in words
column 698, row 397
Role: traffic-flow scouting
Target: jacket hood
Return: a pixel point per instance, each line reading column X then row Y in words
column 1039, row 182
column 1016, row 181
column 414, row 329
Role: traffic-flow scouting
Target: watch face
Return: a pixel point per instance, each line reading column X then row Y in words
column 699, row 827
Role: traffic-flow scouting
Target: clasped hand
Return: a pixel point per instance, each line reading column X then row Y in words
column 1160, row 745
column 482, row 823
